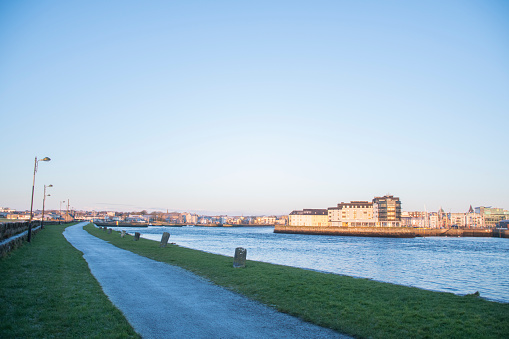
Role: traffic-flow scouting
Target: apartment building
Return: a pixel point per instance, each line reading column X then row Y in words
column 309, row 217
column 492, row 215
column 352, row 214
column 414, row 219
column 387, row 211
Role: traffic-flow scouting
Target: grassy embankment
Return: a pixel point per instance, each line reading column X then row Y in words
column 47, row 291
column 358, row 307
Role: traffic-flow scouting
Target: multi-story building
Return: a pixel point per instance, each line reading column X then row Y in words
column 473, row 219
column 309, row 217
column 414, row 219
column 387, row 211
column 352, row 214
column 266, row 220
column 458, row 219
column 492, row 215
column 189, row 218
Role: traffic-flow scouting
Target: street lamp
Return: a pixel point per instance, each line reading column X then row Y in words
column 29, row 238
column 43, row 203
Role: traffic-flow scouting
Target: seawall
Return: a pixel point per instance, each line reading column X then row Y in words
column 388, row 232
column 392, row 232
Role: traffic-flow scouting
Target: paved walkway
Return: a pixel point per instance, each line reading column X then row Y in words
column 165, row 301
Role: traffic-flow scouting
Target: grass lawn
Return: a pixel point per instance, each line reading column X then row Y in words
column 47, row 291
column 359, row 307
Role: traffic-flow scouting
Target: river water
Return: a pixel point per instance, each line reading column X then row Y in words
column 456, row 265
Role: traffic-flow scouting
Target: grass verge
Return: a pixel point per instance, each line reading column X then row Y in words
column 47, row 291
column 358, row 307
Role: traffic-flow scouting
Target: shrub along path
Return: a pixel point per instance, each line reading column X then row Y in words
column 165, row 301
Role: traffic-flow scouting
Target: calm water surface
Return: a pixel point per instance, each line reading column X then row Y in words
column 456, row 265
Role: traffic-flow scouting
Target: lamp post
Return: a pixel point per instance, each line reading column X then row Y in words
column 29, row 238
column 43, row 203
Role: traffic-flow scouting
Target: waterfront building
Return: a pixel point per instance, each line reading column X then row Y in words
column 352, row 214
column 433, row 220
column 190, row 218
column 309, row 217
column 492, row 215
column 387, row 211
column 266, row 220
column 414, row 219
column 474, row 220
column 458, row 219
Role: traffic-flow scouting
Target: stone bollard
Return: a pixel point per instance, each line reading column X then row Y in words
column 104, row 228
column 136, row 236
column 240, row 257
column 122, row 234
column 109, row 230
column 164, row 239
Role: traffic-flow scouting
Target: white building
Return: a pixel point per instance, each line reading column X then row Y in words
column 309, row 217
column 352, row 214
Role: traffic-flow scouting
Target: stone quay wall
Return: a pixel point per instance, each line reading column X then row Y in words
column 10, row 229
column 13, row 234
column 387, row 232
column 392, row 232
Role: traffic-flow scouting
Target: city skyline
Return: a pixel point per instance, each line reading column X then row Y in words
column 255, row 109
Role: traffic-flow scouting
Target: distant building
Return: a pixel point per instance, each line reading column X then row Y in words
column 492, row 216
column 352, row 214
column 387, row 211
column 189, row 218
column 309, row 217
column 414, row 219
column 266, row 220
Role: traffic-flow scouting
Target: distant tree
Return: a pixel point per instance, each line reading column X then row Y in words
column 144, row 212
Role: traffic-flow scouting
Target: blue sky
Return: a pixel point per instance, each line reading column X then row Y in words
column 256, row 107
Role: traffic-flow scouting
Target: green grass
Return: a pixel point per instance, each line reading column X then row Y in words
column 359, row 307
column 47, row 291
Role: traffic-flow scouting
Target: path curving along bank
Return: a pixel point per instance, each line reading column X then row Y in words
column 165, row 301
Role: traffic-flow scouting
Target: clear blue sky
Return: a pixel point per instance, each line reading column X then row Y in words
column 257, row 107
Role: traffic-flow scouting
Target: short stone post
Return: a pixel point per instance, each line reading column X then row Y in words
column 122, row 234
column 136, row 236
column 109, row 230
column 104, row 228
column 240, row 257
column 164, row 239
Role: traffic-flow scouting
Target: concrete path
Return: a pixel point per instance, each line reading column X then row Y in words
column 165, row 301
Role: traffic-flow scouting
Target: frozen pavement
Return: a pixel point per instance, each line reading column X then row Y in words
column 165, row 301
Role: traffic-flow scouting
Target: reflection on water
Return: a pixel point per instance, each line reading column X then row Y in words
column 456, row 265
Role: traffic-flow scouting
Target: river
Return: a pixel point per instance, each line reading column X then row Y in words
column 448, row 264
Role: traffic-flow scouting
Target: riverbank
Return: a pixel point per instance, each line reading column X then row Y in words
column 47, row 291
column 359, row 307
column 392, row 232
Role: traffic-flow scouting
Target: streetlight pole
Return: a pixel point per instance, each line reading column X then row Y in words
column 43, row 203
column 29, row 238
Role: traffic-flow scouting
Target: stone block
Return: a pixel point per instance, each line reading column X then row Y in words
column 164, row 239
column 136, row 236
column 239, row 260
